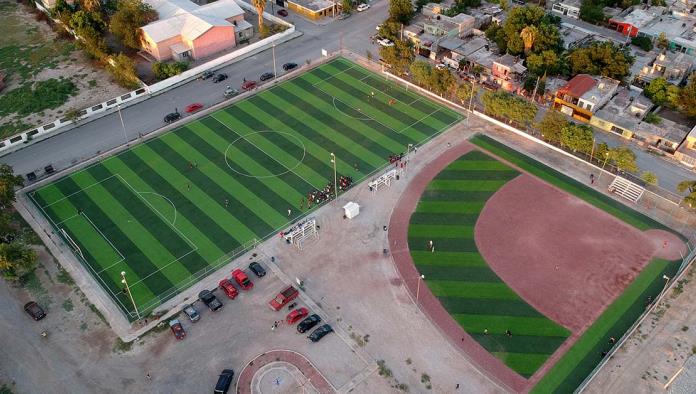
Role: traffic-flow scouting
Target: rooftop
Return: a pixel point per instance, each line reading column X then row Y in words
column 671, row 25
column 626, row 109
column 313, row 5
column 182, row 17
column 571, row 3
column 578, row 86
column 471, row 46
column 640, row 17
column 667, row 130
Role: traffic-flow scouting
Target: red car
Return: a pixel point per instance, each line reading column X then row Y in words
column 193, row 107
column 242, row 279
column 177, row 329
column 296, row 315
column 248, row 85
column 228, row 288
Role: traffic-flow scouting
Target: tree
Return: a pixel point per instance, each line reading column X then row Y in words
column 401, row 11
column 601, row 152
column 464, row 91
column 260, row 5
column 577, row 137
column 662, row 92
column 502, row 103
column 91, row 5
column 16, row 259
column 592, row 12
column 504, row 5
column 686, row 100
column 643, row 43
column 129, row 17
column 442, row 81
column 547, row 62
column 164, row 70
column 123, row 69
column 85, row 20
column 8, row 182
column 529, row 35
column 399, row 56
column 551, row 125
column 508, row 35
column 649, row 178
column 623, row 158
column 347, row 6
column 601, row 58
column 420, row 72
column 662, row 41
column 688, row 186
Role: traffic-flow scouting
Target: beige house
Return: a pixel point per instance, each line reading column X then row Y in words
column 686, row 153
column 188, row 31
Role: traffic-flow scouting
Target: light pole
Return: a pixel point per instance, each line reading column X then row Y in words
column 606, row 158
column 333, row 160
column 421, row 277
column 275, row 74
column 408, row 149
column 123, row 126
column 125, row 282
column 471, row 99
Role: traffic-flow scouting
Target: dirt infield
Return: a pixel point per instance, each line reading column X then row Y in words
column 566, row 258
column 310, row 372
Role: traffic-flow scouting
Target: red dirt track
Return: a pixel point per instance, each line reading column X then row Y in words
column 565, row 257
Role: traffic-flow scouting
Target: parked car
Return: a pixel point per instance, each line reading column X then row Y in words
column 219, row 78
column 248, row 85
column 289, row 66
column 224, row 381
column 257, row 269
column 191, row 312
column 266, row 76
column 206, row 75
column 177, row 329
column 343, row 16
column 441, row 66
column 283, row 298
column 229, row 92
column 296, row 315
column 306, row 324
column 320, row 333
column 282, row 12
column 385, row 42
column 363, row 7
column 193, row 107
column 242, row 279
column 34, row 310
column 210, row 300
column 228, row 288
column 172, row 117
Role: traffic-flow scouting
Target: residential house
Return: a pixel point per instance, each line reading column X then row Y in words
column 315, row 9
column 622, row 114
column 462, row 52
column 508, row 73
column 569, row 8
column 187, row 31
column 674, row 67
column 445, row 26
column 666, row 136
column 584, row 94
column 686, row 153
column 434, row 9
column 631, row 21
column 678, row 29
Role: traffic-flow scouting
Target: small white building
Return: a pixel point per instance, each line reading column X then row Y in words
column 569, row 8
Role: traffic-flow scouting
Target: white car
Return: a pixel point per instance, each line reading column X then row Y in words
column 441, row 66
column 385, row 43
column 363, row 7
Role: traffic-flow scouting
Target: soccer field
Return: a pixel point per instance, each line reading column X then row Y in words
column 172, row 210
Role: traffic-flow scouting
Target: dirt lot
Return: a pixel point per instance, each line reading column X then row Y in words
column 31, row 52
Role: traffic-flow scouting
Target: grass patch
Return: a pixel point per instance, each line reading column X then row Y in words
column 64, row 277
column 33, row 285
column 31, row 98
column 68, row 305
column 585, row 354
column 13, row 127
column 122, row 347
column 383, row 370
column 97, row 312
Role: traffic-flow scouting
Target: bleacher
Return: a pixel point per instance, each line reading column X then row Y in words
column 626, row 189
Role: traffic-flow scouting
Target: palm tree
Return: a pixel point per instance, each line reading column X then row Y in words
column 260, row 5
column 529, row 34
column 91, row 5
column 690, row 199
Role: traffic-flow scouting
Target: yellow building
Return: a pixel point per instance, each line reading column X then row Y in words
column 314, row 9
column 584, row 94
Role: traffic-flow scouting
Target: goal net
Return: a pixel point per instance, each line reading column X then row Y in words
column 302, row 232
column 72, row 243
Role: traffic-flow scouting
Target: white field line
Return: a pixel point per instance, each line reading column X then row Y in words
column 164, row 267
column 418, row 121
column 79, row 191
column 333, row 75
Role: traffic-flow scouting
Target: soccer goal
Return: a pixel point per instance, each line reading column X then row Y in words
column 384, row 180
column 72, row 243
column 302, row 232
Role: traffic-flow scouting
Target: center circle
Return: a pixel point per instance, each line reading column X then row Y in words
column 287, row 167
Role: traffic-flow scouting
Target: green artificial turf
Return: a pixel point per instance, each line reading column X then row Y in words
column 171, row 210
column 457, row 274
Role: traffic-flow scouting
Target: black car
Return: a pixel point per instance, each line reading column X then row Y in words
column 210, row 300
column 266, row 76
column 257, row 269
column 320, row 333
column 224, row 381
column 309, row 322
column 34, row 310
column 289, row 66
column 172, row 117
column 220, row 78
column 207, row 74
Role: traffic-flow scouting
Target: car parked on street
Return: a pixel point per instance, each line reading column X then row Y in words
column 224, row 381
column 172, row 117
column 343, row 16
column 306, row 324
column 210, row 300
column 229, row 289
column 296, row 315
column 266, row 76
column 34, row 310
column 282, row 12
column 363, row 7
column 219, row 78
column 385, row 42
column 192, row 313
column 289, row 66
column 229, row 92
column 320, row 333
column 193, row 107
column 257, row 269
column 177, row 329
column 206, row 75
column 248, row 85
column 242, row 279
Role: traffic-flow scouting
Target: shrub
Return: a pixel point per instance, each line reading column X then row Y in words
column 165, row 70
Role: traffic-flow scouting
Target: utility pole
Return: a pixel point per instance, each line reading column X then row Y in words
column 333, row 160
column 535, row 88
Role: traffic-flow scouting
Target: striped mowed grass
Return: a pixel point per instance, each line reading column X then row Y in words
column 169, row 211
column 459, row 276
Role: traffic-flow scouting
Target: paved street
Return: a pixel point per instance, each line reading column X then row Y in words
column 105, row 133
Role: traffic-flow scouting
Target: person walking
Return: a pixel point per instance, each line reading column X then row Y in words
column 591, row 179
column 148, row 377
column 289, row 212
column 227, row 203
column 301, row 203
